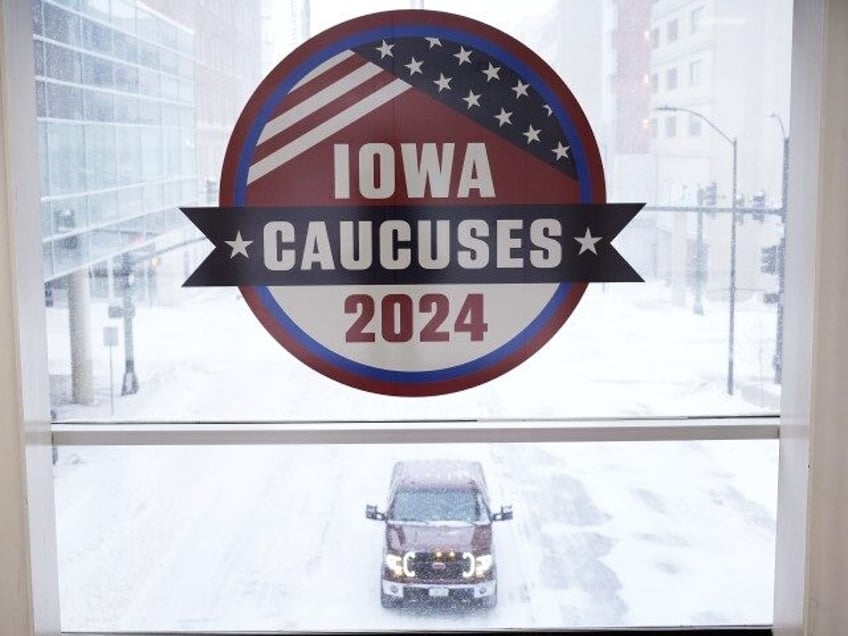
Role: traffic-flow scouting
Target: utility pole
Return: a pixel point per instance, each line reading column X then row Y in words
column 784, row 200
column 734, row 213
column 127, row 311
column 732, row 300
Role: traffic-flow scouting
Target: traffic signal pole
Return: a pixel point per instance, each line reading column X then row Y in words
column 127, row 312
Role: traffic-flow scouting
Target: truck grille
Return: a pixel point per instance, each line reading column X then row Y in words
column 430, row 567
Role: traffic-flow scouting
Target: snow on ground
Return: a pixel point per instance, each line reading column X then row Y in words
column 275, row 538
column 624, row 352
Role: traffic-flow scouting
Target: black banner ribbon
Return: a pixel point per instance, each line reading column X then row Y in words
column 412, row 245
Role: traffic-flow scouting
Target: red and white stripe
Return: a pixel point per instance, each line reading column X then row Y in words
column 334, row 95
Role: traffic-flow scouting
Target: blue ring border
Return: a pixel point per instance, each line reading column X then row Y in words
column 364, row 37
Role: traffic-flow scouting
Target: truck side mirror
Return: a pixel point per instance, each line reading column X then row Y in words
column 504, row 515
column 371, row 512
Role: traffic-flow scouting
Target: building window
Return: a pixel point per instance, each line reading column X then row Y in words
column 696, row 18
column 654, row 127
column 694, row 126
column 655, row 82
column 696, row 73
column 671, row 31
column 671, row 78
column 671, row 126
column 655, row 37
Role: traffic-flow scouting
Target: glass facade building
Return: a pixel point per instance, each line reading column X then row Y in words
column 116, row 126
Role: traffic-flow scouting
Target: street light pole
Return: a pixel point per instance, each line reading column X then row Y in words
column 784, row 199
column 732, row 300
column 734, row 213
column 700, row 265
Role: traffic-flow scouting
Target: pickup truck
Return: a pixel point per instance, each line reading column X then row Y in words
column 438, row 534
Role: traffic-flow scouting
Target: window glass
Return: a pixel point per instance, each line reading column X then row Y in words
column 63, row 101
column 671, row 79
column 696, row 72
column 100, row 154
column 126, row 47
column 124, row 15
column 63, row 64
column 98, row 9
column 136, row 102
column 694, row 126
column 97, row 37
column 37, row 17
column 160, row 103
column 97, row 72
column 696, row 16
column 671, row 126
column 66, row 158
column 100, row 106
column 61, row 25
column 232, row 539
column 671, row 30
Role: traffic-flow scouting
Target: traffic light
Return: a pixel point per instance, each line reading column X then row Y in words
column 758, row 201
column 709, row 195
column 768, row 259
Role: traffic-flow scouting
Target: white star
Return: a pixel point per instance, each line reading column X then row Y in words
column 239, row 245
column 561, row 151
column 520, row 89
column 463, row 56
column 434, row 42
column 503, row 118
column 587, row 242
column 472, row 99
column 492, row 73
column 414, row 67
column 532, row 134
column 549, row 109
column 443, row 82
column 386, row 50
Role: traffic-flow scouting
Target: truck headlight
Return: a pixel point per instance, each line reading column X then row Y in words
column 393, row 563
column 468, row 571
column 406, row 564
column 482, row 564
column 476, row 566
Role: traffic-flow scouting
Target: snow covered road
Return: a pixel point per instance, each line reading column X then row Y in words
column 275, row 538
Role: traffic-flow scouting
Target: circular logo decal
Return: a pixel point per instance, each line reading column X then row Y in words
column 412, row 203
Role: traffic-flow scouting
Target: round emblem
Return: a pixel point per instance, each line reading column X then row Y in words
column 412, row 203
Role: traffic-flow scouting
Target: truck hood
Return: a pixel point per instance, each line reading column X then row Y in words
column 406, row 537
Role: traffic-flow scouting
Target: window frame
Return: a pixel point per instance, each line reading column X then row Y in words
column 28, row 386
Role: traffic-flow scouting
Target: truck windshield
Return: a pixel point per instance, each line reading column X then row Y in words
column 428, row 505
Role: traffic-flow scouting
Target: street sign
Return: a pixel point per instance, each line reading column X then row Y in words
column 110, row 339
column 412, row 203
column 110, row 336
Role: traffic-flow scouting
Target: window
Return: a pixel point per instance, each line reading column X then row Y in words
column 694, row 126
column 696, row 17
column 133, row 122
column 671, row 126
column 671, row 78
column 671, row 31
column 696, row 72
